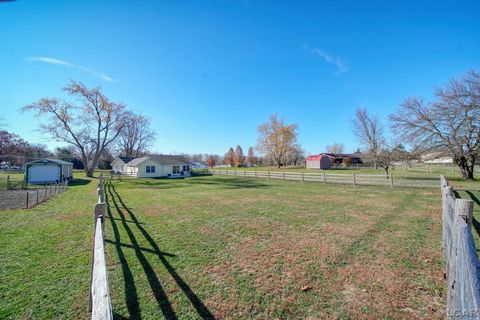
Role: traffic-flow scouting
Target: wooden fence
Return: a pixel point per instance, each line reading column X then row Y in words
column 100, row 304
column 353, row 179
column 462, row 267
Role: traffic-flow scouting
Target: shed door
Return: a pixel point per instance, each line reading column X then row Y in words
column 44, row 173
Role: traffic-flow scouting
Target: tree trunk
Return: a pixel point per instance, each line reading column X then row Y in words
column 466, row 167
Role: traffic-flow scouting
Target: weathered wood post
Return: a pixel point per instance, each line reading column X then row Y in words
column 50, row 189
column 391, row 180
column 27, row 199
column 354, row 182
column 268, row 174
column 244, row 173
column 283, row 175
column 45, row 197
column 428, row 168
column 303, row 179
column 235, row 171
column 8, row 182
column 324, row 177
column 255, row 173
column 405, row 168
column 37, row 195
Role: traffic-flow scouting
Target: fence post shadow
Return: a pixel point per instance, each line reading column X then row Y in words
column 154, row 282
column 131, row 296
column 197, row 303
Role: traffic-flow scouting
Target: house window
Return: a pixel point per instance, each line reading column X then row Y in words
column 186, row 168
column 150, row 169
column 176, row 169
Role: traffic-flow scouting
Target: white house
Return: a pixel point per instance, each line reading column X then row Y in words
column 153, row 166
column 48, row 171
column 119, row 163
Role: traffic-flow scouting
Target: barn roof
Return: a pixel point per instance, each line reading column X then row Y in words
column 162, row 159
column 58, row 161
column 318, row 156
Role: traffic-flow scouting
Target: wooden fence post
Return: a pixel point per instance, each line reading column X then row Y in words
column 268, row 174
column 354, row 182
column 255, row 173
column 283, row 175
column 391, row 180
column 428, row 168
column 37, row 195
column 45, row 196
column 324, row 177
column 303, row 179
column 8, row 182
column 27, row 199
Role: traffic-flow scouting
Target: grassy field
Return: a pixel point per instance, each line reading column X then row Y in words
column 228, row 248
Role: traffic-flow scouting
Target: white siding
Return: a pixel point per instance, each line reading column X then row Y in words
column 118, row 165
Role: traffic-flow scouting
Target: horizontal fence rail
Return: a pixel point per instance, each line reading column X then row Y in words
column 100, row 303
column 339, row 178
column 462, row 267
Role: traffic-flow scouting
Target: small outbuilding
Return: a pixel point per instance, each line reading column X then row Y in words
column 320, row 161
column 48, row 171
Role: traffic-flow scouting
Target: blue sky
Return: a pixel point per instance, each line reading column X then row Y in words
column 208, row 73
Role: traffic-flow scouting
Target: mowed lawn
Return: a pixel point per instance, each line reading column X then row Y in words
column 229, row 248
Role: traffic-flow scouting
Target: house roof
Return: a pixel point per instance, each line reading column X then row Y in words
column 162, row 159
column 126, row 159
column 49, row 160
column 333, row 155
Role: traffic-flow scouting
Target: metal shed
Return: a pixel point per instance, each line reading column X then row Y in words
column 48, row 171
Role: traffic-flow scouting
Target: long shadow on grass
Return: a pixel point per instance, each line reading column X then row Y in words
column 194, row 299
column 130, row 288
column 475, row 222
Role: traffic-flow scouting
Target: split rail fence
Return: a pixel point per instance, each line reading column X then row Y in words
column 100, row 303
column 324, row 177
column 462, row 269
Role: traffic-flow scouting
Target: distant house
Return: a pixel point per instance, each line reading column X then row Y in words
column 119, row 163
column 315, row 161
column 199, row 165
column 153, row 166
column 436, row 158
column 48, row 171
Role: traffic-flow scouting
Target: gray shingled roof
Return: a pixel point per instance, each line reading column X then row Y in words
column 162, row 159
column 126, row 159
column 49, row 160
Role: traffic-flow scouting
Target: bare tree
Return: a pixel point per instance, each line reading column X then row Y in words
column 212, row 161
column 337, row 147
column 251, row 158
column 90, row 127
column 275, row 138
column 136, row 136
column 450, row 125
column 230, row 157
column 239, row 157
column 295, row 154
column 369, row 132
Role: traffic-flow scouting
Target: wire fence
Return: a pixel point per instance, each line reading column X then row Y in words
column 23, row 198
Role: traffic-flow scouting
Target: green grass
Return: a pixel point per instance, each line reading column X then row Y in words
column 230, row 248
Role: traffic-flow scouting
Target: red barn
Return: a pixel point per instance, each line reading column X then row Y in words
column 319, row 161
